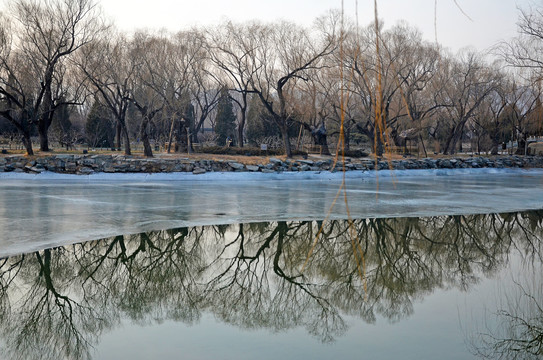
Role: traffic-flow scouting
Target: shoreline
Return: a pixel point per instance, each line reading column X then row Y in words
column 88, row 164
column 249, row 177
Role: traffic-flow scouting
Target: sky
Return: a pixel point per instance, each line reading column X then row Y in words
column 477, row 23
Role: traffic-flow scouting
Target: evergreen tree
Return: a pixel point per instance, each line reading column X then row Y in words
column 61, row 126
column 99, row 129
column 225, row 122
column 258, row 123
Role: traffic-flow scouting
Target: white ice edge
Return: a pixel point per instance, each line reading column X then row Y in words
column 242, row 176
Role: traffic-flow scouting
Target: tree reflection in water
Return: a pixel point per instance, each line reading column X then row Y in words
column 514, row 330
column 60, row 301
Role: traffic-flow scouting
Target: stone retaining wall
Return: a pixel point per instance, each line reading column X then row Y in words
column 88, row 164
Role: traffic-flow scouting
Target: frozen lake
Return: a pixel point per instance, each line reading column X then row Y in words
column 434, row 264
column 45, row 210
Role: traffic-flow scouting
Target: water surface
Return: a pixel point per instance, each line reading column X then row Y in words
column 49, row 210
column 448, row 287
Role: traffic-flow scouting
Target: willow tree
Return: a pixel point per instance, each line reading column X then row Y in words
column 110, row 70
column 34, row 69
column 232, row 50
column 287, row 55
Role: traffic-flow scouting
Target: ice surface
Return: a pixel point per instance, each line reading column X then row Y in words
column 48, row 209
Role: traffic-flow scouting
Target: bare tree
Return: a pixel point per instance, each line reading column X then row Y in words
column 232, row 48
column 16, row 86
column 110, row 70
column 524, row 51
column 205, row 95
column 389, row 83
column 286, row 56
column 46, row 34
column 183, row 57
column 469, row 81
column 146, row 85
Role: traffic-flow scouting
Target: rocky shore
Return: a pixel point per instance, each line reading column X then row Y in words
column 88, row 164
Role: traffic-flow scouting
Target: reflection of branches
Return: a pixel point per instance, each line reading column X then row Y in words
column 52, row 324
column 248, row 275
column 244, row 292
column 519, row 330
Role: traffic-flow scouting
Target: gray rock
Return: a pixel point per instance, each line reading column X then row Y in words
column 383, row 165
column 33, row 169
column 252, row 168
column 236, row 165
column 64, row 157
column 198, row 171
column 85, row 171
column 70, row 167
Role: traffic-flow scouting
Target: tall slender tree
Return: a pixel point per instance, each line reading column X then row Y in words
column 225, row 122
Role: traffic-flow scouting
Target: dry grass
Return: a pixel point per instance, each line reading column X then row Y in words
column 243, row 159
column 247, row 160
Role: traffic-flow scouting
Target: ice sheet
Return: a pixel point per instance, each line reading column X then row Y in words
column 48, row 209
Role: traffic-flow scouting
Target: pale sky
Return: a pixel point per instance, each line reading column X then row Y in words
column 491, row 20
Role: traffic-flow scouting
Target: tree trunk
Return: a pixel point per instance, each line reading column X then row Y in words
column 44, row 141
column 27, row 142
column 241, row 127
column 452, row 139
column 127, row 150
column 118, row 134
column 44, row 122
column 423, row 147
column 190, row 133
column 147, row 150
column 378, row 146
column 190, row 149
column 170, row 137
column 494, row 136
column 286, row 141
column 494, row 149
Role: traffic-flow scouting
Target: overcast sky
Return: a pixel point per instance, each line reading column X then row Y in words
column 489, row 20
